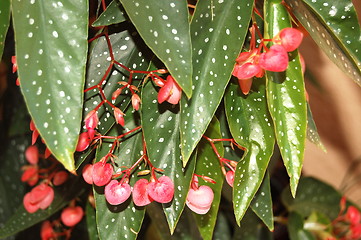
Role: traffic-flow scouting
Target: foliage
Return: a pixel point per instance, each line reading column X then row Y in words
column 152, row 97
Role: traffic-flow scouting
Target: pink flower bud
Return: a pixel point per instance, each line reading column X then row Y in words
column 170, row 92
column 275, row 59
column 32, row 154
column 91, row 120
column 200, row 200
column 140, row 193
column 353, row 215
column 83, row 142
column 116, row 192
column 230, row 177
column 116, row 93
column 119, row 116
column 71, row 216
column 30, row 175
column 15, row 65
column 47, row 153
column 87, row 173
column 135, row 101
column 47, row 231
column 60, row 178
column 102, row 173
column 161, row 190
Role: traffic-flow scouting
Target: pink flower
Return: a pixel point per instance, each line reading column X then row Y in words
column 140, row 193
column 117, row 192
column 91, row 120
column 161, row 190
column 40, row 196
column 275, row 59
column 170, row 92
column 289, row 38
column 71, row 216
column 119, row 116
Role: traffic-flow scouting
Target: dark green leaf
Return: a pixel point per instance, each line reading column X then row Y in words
column 222, row 231
column 286, row 98
column 22, row 219
column 91, row 222
column 165, row 29
column 218, row 30
column 208, row 165
column 124, row 220
column 5, row 21
column 334, row 27
column 251, row 127
column 262, row 203
column 160, row 124
column 296, row 229
column 251, row 229
column 51, row 50
column 312, row 133
column 186, row 229
column 128, row 49
column 112, row 15
column 313, row 195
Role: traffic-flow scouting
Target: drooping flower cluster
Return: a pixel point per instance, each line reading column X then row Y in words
column 253, row 63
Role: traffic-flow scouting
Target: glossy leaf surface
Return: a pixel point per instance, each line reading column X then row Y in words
column 160, row 124
column 124, row 220
column 251, row 127
column 51, row 50
column 334, row 27
column 208, row 165
column 112, row 15
column 286, row 99
column 218, row 30
column 262, row 203
column 165, row 29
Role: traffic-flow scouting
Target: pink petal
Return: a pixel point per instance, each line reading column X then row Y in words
column 71, row 216
column 102, row 173
column 275, row 59
column 245, row 85
column 140, row 194
column 200, row 200
column 247, row 70
column 117, row 193
column 161, row 190
column 291, row 38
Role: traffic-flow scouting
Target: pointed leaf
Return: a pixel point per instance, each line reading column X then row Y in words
column 312, row 133
column 262, row 203
column 5, row 21
column 160, row 124
column 218, row 31
column 124, row 220
column 251, row 127
column 286, row 98
column 165, row 29
column 334, row 27
column 208, row 165
column 51, row 50
column 112, row 15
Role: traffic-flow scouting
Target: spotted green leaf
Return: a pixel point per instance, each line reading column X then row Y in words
column 112, row 15
column 218, row 30
column 262, row 203
column 286, row 98
column 251, row 127
column 208, row 165
column 165, row 29
column 160, row 123
column 4, row 23
column 313, row 195
column 334, row 27
column 129, row 50
column 312, row 133
column 22, row 220
column 122, row 221
column 51, row 50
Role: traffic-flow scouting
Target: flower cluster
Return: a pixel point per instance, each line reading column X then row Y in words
column 253, row 63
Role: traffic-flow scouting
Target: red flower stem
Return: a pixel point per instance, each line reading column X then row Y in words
column 125, row 134
column 122, row 66
column 99, row 85
column 110, row 48
column 104, row 5
column 96, row 37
